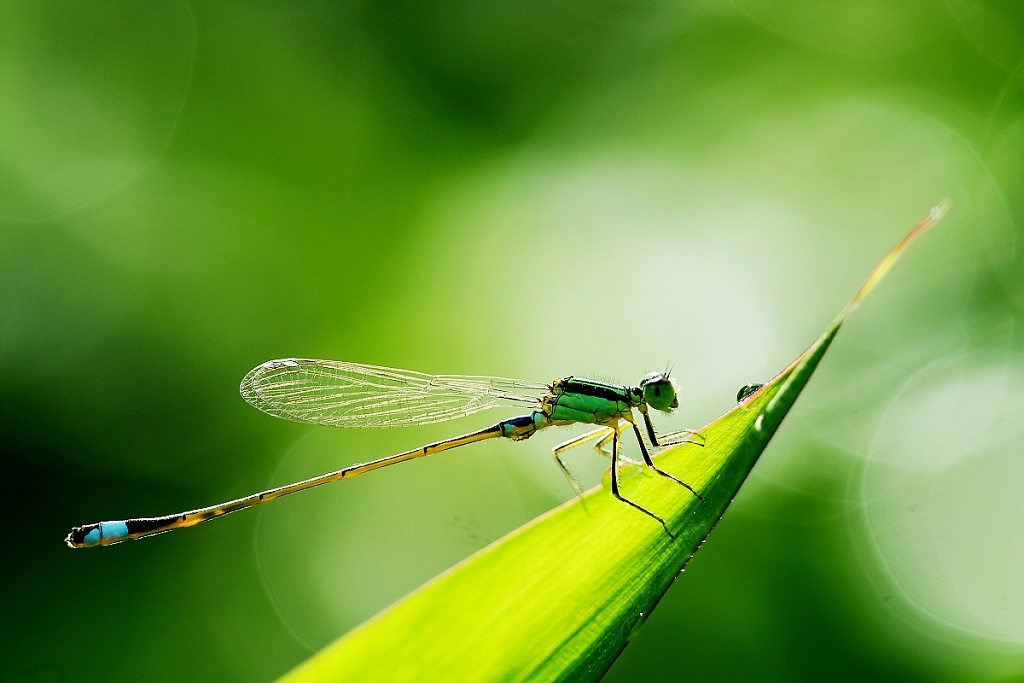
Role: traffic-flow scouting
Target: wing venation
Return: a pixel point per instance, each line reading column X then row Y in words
column 341, row 394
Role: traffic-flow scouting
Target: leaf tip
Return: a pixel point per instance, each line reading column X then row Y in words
column 883, row 267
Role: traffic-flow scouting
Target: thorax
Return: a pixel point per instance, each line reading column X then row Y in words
column 575, row 399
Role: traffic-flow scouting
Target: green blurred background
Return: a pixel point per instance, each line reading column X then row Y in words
column 529, row 189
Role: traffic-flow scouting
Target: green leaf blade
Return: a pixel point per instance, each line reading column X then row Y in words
column 559, row 598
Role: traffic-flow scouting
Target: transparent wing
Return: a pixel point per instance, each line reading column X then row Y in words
column 339, row 394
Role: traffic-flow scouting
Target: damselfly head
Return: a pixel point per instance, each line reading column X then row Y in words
column 659, row 392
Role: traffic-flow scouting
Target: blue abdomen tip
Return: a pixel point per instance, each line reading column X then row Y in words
column 92, row 538
column 112, row 532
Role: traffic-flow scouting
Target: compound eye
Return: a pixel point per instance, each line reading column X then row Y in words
column 651, row 378
column 659, row 392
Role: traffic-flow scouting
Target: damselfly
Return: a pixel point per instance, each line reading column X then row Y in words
column 340, row 394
